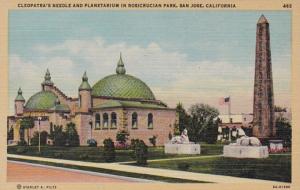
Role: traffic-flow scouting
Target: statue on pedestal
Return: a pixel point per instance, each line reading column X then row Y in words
column 182, row 139
column 244, row 140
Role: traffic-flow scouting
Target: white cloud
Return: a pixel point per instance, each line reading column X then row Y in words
column 171, row 75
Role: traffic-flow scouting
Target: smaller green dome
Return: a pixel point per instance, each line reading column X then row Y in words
column 60, row 107
column 41, row 100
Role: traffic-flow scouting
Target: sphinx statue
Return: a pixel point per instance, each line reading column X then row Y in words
column 182, row 145
column 245, row 147
column 244, row 140
column 182, row 139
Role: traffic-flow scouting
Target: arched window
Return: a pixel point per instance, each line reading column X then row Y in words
column 113, row 120
column 97, row 121
column 79, row 100
column 150, row 120
column 105, row 120
column 134, row 120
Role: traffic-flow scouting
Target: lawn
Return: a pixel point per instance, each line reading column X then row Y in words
column 95, row 154
column 276, row 167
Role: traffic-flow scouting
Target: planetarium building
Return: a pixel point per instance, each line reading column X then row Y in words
column 118, row 102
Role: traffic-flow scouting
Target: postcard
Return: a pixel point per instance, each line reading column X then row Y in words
column 149, row 94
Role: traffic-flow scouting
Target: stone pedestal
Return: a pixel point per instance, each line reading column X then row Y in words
column 182, row 148
column 237, row 151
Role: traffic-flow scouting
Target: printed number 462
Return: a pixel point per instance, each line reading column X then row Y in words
column 287, row 6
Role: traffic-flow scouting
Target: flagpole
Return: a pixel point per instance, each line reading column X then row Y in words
column 229, row 107
column 229, row 115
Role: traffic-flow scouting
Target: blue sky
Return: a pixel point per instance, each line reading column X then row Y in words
column 187, row 56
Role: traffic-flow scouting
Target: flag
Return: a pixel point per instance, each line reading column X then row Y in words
column 224, row 101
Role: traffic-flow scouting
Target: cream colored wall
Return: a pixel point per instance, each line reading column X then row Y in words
column 120, row 117
column 85, row 100
column 163, row 124
column 19, row 107
column 83, row 127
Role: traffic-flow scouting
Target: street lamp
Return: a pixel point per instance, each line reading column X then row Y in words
column 39, row 118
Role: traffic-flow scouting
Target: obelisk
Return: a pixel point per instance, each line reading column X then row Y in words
column 263, row 104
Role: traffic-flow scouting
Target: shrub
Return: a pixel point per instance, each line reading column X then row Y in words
column 153, row 140
column 133, row 143
column 183, row 166
column 72, row 137
column 170, row 136
column 83, row 156
column 284, row 130
column 58, row 136
column 122, row 137
column 92, row 143
column 109, row 153
column 58, row 155
column 141, row 153
column 35, row 138
column 22, row 142
column 21, row 150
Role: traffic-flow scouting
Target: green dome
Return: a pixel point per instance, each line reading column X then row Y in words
column 122, row 86
column 41, row 100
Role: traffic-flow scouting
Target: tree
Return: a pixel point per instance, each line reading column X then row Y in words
column 27, row 123
column 109, row 152
column 203, row 123
column 141, row 153
column 279, row 109
column 35, row 138
column 58, row 136
column 183, row 119
column 284, row 130
column 72, row 137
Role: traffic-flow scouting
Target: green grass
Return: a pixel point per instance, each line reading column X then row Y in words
column 95, row 154
column 113, row 172
column 276, row 167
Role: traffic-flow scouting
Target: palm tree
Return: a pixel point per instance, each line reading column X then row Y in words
column 27, row 123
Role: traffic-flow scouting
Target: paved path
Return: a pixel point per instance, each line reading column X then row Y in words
column 151, row 171
column 28, row 172
column 179, row 158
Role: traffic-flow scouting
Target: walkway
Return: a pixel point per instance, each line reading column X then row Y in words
column 151, row 171
column 179, row 158
column 28, row 172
